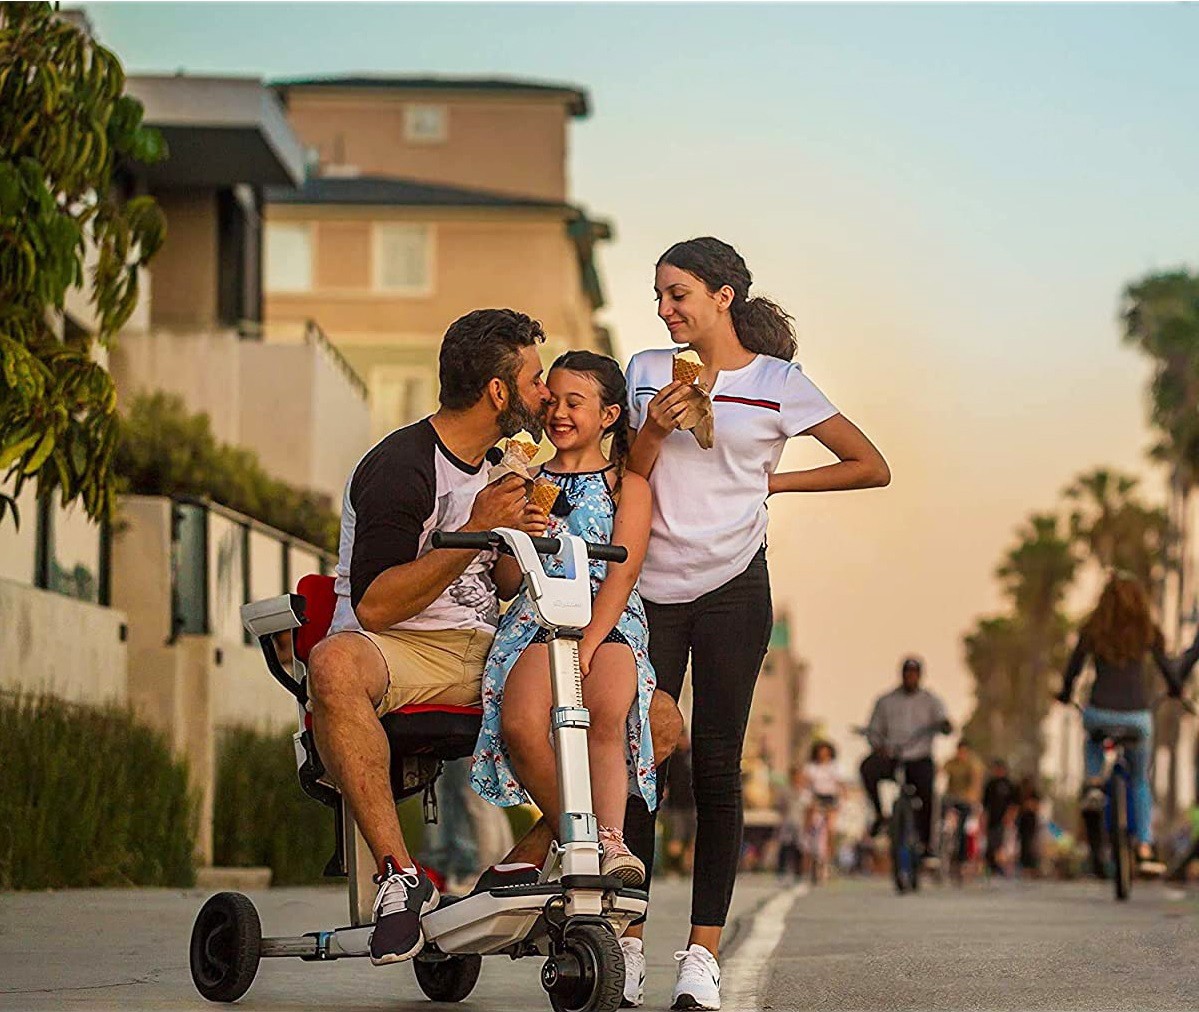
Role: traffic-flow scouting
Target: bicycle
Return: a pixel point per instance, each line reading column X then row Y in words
column 906, row 851
column 955, row 819
column 817, row 845
column 1110, row 794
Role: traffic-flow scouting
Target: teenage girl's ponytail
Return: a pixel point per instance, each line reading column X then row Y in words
column 761, row 325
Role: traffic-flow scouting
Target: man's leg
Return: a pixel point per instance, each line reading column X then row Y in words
column 347, row 680
column 875, row 769
column 921, row 773
column 665, row 723
column 347, row 677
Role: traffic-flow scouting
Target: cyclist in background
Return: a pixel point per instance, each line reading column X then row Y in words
column 901, row 729
column 1000, row 797
column 1118, row 637
column 963, row 791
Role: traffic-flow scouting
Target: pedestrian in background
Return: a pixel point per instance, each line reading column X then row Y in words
column 999, row 806
column 1028, row 827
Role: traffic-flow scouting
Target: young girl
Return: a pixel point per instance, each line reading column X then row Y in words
column 705, row 582
column 600, row 502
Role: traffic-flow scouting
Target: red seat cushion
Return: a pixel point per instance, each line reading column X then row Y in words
column 319, row 602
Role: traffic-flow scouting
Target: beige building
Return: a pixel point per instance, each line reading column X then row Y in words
column 428, row 198
column 779, row 729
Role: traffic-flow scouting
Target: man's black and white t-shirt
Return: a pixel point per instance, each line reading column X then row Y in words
column 709, row 517
column 405, row 487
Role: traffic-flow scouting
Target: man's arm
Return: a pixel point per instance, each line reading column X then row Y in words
column 940, row 722
column 876, row 730
column 405, row 590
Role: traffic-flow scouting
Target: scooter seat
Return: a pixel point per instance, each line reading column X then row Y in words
column 443, row 732
column 1117, row 734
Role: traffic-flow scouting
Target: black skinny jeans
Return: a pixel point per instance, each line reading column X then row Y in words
column 920, row 773
column 725, row 633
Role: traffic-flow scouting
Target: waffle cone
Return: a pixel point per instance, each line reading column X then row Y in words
column 686, row 371
column 544, row 495
column 526, row 450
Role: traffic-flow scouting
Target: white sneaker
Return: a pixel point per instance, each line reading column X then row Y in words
column 698, row 986
column 634, row 972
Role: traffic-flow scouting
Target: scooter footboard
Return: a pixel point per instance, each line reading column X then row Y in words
column 493, row 921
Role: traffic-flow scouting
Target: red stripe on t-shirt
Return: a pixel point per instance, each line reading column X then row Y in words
column 749, row 402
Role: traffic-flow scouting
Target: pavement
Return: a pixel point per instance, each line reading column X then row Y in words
column 114, row 949
column 851, row 946
column 855, row 946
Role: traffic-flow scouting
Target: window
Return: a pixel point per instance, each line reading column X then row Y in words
column 402, row 260
column 425, row 124
column 288, row 257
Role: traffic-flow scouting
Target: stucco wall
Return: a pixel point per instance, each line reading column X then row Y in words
column 200, row 366
column 302, row 415
column 522, row 260
column 59, row 645
column 185, row 269
column 504, row 144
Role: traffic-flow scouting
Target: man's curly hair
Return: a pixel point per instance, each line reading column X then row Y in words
column 481, row 346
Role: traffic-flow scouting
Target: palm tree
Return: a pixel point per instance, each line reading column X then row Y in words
column 1161, row 317
column 1160, row 314
column 1035, row 575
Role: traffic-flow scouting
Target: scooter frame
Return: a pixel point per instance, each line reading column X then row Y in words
column 556, row 917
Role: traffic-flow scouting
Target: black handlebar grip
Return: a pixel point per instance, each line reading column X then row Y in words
column 480, row 541
column 483, row 540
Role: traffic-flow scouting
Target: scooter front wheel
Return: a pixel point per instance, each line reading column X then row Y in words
column 448, row 978
column 226, row 946
column 588, row 974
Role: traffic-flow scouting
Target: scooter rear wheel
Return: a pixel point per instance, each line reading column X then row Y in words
column 226, row 947
column 447, row 978
column 588, row 974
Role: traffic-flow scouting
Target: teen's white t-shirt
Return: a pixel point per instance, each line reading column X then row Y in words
column 709, row 517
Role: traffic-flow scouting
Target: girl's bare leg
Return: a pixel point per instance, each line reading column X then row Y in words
column 525, row 726
column 608, row 692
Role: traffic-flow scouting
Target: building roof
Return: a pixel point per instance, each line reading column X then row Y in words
column 219, row 130
column 389, row 191
column 578, row 101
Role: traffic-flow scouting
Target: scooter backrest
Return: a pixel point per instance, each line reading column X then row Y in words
column 319, row 601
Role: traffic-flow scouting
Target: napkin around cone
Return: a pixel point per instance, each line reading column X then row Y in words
column 698, row 416
column 514, row 461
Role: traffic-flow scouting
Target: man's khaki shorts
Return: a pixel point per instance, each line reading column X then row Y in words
column 431, row 666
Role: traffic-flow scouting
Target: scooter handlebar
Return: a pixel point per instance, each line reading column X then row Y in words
column 483, row 540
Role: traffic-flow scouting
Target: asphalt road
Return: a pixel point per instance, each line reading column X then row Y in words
column 855, row 946
column 110, row 950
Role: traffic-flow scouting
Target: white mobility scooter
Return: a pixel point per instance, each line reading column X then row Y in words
column 571, row 914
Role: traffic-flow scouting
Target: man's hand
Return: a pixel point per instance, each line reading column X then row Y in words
column 668, row 407
column 500, row 504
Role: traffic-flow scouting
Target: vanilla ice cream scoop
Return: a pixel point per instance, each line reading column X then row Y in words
column 687, row 366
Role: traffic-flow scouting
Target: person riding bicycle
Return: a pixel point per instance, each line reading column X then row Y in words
column 963, row 791
column 823, row 789
column 901, row 729
column 1118, row 636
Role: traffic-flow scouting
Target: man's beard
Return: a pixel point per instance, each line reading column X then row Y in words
column 517, row 416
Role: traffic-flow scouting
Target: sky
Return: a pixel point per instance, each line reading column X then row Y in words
column 948, row 198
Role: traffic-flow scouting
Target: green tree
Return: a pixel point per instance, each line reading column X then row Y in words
column 1012, row 658
column 1160, row 313
column 1115, row 528
column 164, row 450
column 67, row 133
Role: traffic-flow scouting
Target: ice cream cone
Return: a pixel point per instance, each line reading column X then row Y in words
column 544, row 494
column 687, row 367
column 526, row 449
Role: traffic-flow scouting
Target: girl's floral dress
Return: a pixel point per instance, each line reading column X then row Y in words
column 591, row 512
